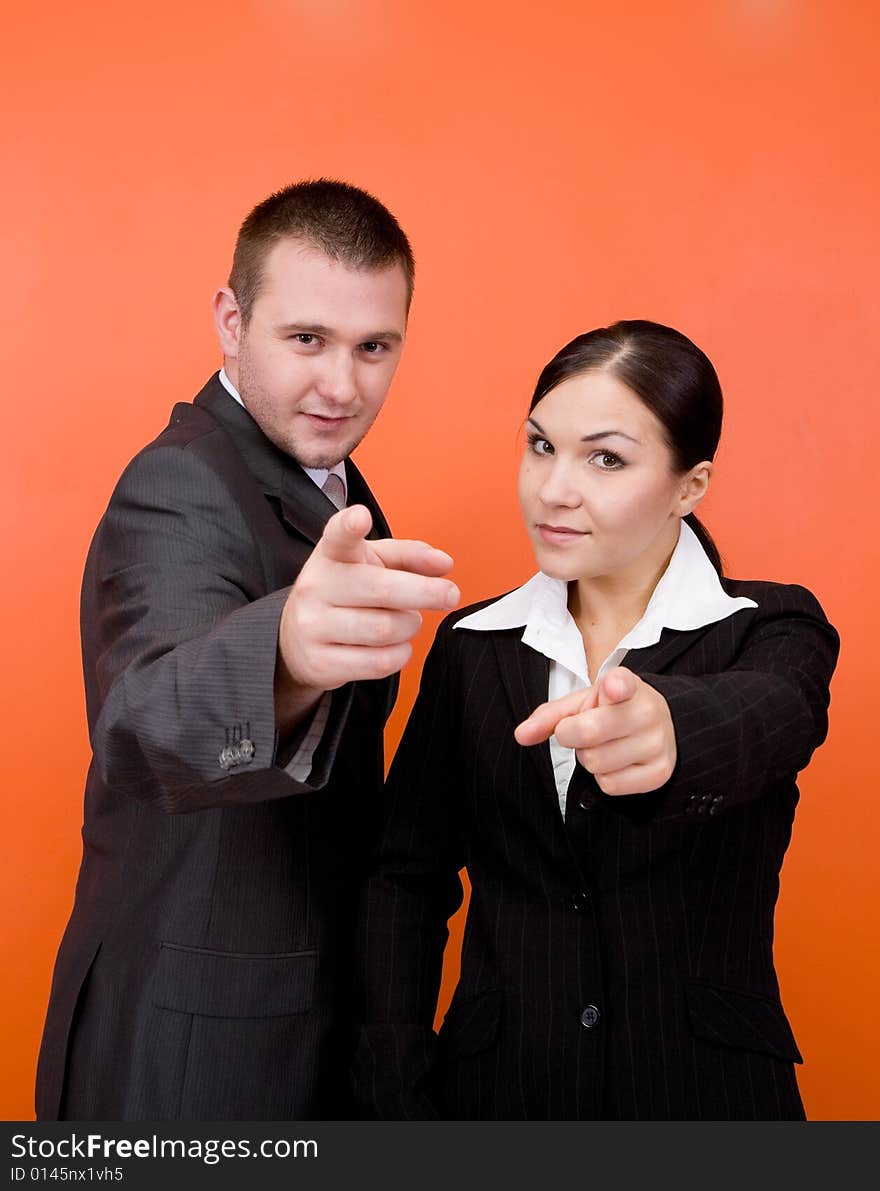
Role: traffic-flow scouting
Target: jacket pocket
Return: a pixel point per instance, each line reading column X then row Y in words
column 472, row 1026
column 746, row 1020
column 227, row 984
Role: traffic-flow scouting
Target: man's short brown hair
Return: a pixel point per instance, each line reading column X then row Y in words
column 342, row 221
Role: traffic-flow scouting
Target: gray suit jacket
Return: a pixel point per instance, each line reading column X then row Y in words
column 204, row 972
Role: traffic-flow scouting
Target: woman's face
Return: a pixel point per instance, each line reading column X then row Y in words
column 597, row 487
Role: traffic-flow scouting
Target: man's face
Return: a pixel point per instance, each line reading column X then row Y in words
column 316, row 359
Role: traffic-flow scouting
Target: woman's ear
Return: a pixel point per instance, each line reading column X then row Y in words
column 694, row 486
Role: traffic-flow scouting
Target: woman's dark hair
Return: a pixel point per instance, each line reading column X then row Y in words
column 674, row 379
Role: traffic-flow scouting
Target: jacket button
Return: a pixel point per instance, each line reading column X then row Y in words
column 581, row 901
column 586, row 802
column 589, row 1017
column 239, row 753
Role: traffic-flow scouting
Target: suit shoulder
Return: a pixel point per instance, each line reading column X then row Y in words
column 445, row 633
column 776, row 598
column 192, row 450
column 191, row 429
column 188, row 482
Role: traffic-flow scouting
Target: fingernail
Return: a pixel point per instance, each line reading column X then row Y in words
column 453, row 597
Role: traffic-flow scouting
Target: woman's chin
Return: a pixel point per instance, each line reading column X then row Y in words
column 556, row 568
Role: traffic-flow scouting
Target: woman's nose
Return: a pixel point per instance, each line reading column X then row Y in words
column 558, row 487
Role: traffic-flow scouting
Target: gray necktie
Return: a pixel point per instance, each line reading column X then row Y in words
column 334, row 489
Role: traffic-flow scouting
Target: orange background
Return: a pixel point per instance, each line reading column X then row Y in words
column 706, row 163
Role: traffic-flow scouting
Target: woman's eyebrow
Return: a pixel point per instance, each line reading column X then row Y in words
column 609, row 434
column 593, row 437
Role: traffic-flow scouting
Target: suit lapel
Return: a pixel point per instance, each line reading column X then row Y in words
column 303, row 506
column 306, row 509
column 360, row 494
column 654, row 659
column 525, row 675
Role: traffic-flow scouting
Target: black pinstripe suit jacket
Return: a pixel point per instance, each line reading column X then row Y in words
column 205, row 969
column 617, row 964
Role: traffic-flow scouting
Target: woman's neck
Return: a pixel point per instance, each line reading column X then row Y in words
column 606, row 607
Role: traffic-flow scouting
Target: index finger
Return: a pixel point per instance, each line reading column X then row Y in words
column 420, row 558
column 344, row 534
column 541, row 724
column 373, row 586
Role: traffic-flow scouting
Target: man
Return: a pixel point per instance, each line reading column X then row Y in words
column 241, row 641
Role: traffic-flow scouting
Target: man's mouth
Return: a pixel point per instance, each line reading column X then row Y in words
column 327, row 421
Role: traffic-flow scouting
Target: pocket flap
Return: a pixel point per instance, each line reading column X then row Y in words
column 742, row 1019
column 472, row 1025
column 226, row 984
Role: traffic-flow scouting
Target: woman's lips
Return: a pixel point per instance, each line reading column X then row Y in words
column 560, row 535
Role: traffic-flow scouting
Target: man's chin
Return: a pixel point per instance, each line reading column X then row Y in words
column 323, row 455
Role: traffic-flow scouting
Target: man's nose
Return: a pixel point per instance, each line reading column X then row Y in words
column 336, row 381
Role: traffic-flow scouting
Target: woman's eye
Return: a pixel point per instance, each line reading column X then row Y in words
column 606, row 460
column 539, row 446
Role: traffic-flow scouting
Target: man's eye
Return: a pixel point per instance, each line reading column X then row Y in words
column 373, row 347
column 306, row 338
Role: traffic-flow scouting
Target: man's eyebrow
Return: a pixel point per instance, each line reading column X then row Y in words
column 395, row 336
column 593, row 437
column 320, row 329
column 304, row 329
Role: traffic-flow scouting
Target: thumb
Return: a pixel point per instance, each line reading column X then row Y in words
column 617, row 686
column 344, row 534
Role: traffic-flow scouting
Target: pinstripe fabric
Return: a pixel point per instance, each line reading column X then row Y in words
column 648, row 917
column 205, row 969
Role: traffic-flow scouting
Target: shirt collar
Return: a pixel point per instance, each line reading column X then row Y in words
column 317, row 474
column 689, row 595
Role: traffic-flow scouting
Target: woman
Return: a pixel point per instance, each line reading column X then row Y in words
column 611, row 752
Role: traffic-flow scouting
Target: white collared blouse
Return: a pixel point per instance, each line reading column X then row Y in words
column 688, row 595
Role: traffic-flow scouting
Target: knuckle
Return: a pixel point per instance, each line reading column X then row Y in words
column 588, row 734
column 607, row 783
column 304, row 589
column 375, row 586
column 385, row 631
column 309, row 624
column 405, row 627
column 588, row 759
column 647, row 714
column 564, row 734
column 388, row 661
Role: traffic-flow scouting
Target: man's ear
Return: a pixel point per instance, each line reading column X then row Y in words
column 694, row 486
column 227, row 321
